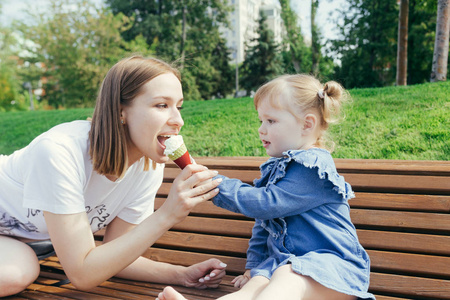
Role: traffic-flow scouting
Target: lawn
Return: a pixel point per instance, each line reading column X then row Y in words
column 409, row 122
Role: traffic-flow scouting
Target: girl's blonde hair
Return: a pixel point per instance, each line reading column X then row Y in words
column 122, row 84
column 301, row 94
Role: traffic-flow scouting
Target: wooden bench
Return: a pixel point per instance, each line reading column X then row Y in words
column 401, row 211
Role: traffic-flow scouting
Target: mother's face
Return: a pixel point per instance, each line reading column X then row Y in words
column 153, row 115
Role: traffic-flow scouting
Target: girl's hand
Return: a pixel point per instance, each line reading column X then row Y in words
column 241, row 280
column 191, row 187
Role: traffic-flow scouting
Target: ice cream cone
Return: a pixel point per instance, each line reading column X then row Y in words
column 176, row 150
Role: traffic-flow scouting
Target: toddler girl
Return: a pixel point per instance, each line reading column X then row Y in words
column 303, row 245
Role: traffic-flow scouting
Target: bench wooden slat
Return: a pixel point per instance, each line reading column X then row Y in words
column 208, row 243
column 406, row 242
column 208, row 209
column 424, row 203
column 374, row 240
column 387, row 182
column 381, row 219
column 366, row 166
column 398, row 183
column 410, row 263
column 401, row 220
column 238, row 228
column 409, row 286
column 68, row 293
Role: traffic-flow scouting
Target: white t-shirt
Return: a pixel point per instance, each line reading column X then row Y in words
column 54, row 173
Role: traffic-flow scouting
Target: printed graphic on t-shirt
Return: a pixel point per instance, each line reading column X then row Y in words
column 9, row 223
column 99, row 216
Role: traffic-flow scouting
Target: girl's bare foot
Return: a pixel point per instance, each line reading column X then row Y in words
column 169, row 293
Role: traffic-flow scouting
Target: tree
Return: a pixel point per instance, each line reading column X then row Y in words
column 402, row 43
column 421, row 36
column 183, row 31
column 77, row 45
column 295, row 52
column 367, row 46
column 315, row 39
column 441, row 47
column 262, row 61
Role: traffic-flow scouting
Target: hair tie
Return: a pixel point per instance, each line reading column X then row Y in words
column 321, row 94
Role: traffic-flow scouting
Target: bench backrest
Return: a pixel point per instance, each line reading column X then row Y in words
column 401, row 212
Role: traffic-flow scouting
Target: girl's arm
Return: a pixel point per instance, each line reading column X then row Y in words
column 87, row 265
column 298, row 191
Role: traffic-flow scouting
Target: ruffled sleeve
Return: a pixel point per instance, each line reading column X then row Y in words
column 322, row 161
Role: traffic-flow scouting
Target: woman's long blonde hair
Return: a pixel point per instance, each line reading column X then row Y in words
column 122, row 83
column 302, row 93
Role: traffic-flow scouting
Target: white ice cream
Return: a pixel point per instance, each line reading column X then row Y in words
column 172, row 144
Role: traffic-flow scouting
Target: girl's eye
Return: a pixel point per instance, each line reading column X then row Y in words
column 163, row 105
column 270, row 121
column 180, row 107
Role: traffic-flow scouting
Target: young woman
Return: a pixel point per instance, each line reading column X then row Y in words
column 82, row 176
column 303, row 245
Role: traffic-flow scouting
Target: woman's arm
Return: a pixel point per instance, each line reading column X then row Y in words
column 87, row 265
column 205, row 274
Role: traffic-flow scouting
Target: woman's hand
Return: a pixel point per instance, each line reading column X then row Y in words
column 207, row 274
column 241, row 280
column 191, row 187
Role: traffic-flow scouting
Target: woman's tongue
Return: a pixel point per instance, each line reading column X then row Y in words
column 162, row 140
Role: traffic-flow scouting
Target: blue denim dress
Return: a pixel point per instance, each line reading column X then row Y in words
column 302, row 218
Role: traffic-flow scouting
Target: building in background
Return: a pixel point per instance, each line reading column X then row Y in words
column 244, row 22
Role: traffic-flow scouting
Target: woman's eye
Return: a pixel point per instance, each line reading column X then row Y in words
column 180, row 107
column 161, row 106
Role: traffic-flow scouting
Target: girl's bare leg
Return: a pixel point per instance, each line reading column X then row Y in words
column 169, row 293
column 286, row 284
column 250, row 290
column 19, row 266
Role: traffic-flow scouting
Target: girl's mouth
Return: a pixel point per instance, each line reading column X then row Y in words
column 265, row 143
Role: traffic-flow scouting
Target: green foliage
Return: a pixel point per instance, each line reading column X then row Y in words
column 296, row 55
column 262, row 59
column 368, row 47
column 77, row 46
column 380, row 123
column 161, row 24
column 421, row 36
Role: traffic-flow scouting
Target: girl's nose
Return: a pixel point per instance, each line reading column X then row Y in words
column 261, row 129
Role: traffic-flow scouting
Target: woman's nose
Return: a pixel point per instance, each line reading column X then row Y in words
column 176, row 119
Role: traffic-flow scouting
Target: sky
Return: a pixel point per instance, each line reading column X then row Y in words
column 15, row 9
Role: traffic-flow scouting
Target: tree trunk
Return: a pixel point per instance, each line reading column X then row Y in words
column 315, row 49
column 402, row 43
column 440, row 56
column 183, row 37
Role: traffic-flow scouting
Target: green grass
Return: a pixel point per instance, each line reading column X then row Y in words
column 384, row 123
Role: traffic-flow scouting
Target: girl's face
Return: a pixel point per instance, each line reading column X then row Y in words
column 280, row 130
column 152, row 117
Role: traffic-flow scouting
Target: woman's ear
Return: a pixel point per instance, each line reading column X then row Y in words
column 309, row 123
